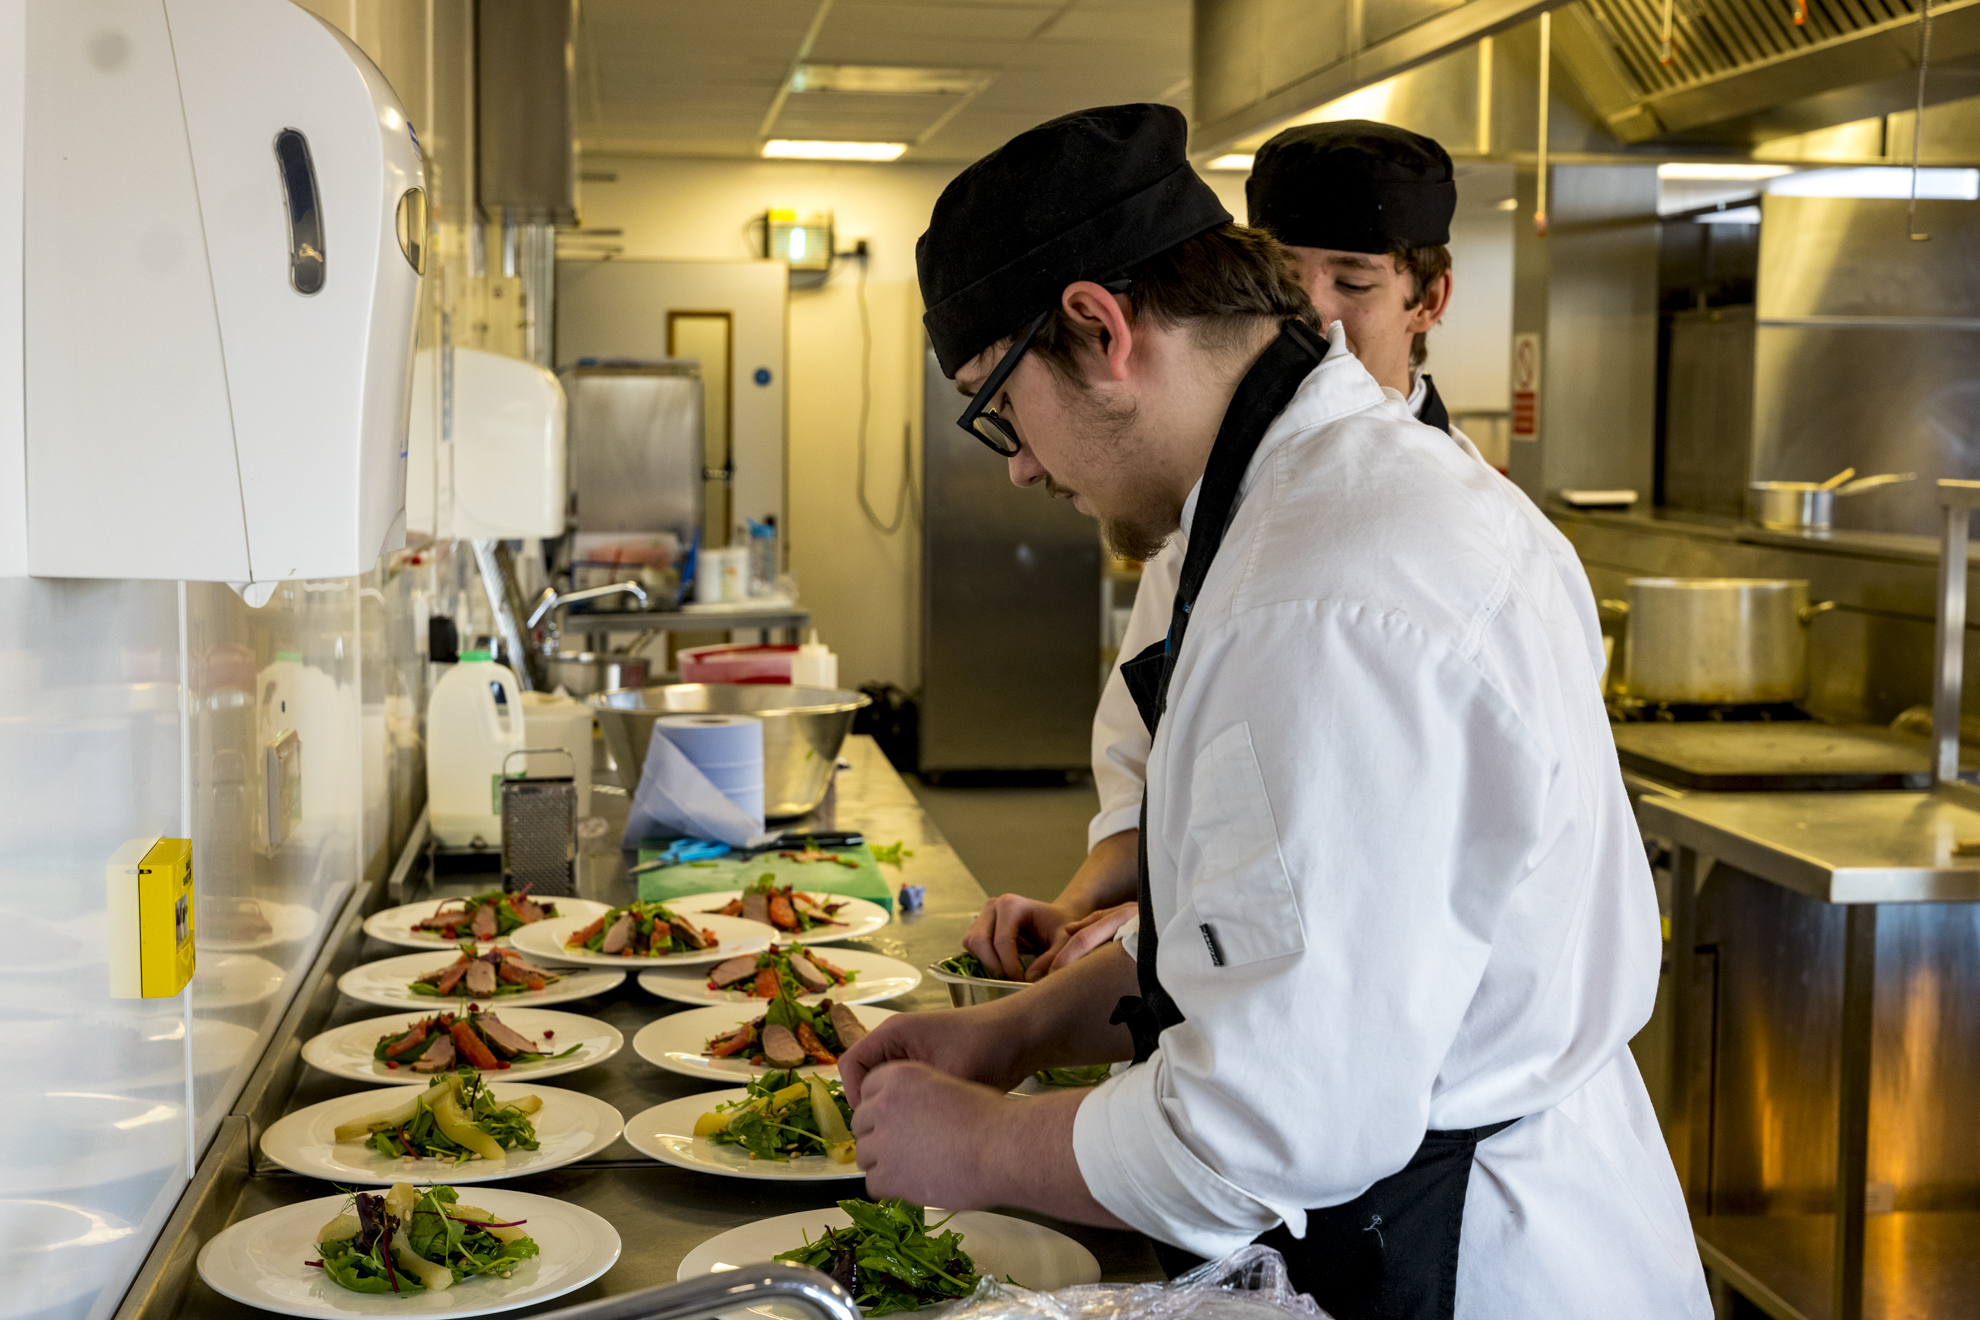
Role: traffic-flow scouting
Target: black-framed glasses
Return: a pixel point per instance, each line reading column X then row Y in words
column 980, row 419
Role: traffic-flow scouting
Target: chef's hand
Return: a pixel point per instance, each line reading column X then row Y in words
column 1010, row 922
column 922, row 1135
column 1078, row 938
column 969, row 1043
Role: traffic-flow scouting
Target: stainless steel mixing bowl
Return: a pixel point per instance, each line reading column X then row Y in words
column 803, row 729
column 968, row 991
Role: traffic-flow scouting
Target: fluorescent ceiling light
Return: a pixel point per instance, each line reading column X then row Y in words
column 1730, row 171
column 1234, row 161
column 1945, row 185
column 1737, row 215
column 886, row 80
column 797, row 149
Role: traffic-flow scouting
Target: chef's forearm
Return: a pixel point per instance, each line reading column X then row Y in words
column 1062, row 1021
column 1027, row 1161
column 1109, row 876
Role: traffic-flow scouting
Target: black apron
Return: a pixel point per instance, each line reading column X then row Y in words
column 1433, row 412
column 1391, row 1253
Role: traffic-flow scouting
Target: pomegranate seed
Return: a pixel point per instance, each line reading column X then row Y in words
column 391, row 1063
column 548, row 1032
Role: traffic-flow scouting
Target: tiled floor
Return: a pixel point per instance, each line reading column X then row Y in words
column 1025, row 840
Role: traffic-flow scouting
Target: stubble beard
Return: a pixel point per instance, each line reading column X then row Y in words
column 1148, row 514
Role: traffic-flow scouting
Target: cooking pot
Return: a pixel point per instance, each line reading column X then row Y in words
column 1717, row 641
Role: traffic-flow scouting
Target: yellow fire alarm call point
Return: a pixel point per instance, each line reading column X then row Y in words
column 151, row 918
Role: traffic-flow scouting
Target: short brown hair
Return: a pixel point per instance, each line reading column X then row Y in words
column 1424, row 266
column 1221, row 284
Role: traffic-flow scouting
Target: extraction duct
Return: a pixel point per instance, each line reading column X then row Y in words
column 526, row 107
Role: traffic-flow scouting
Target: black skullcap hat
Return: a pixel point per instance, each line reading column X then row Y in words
column 1081, row 198
column 1354, row 186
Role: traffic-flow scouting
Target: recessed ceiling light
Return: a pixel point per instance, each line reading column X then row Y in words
column 1234, row 161
column 1733, row 171
column 886, row 80
column 798, row 149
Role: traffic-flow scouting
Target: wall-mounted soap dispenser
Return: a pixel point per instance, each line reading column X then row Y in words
column 224, row 228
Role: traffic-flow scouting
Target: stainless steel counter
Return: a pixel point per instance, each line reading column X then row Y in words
column 661, row 1212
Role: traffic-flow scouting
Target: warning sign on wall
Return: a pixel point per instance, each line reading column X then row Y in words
column 1526, row 387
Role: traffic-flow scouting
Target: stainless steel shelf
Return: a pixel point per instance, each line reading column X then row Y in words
column 597, row 621
column 1917, row 1265
column 1868, row 847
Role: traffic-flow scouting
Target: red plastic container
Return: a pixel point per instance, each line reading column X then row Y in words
column 737, row 663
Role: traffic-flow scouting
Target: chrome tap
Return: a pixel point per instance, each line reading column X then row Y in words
column 550, row 602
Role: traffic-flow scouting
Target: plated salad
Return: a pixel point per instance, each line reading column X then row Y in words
column 785, row 1116
column 409, row 1241
column 478, row 975
column 450, row 1040
column 888, row 1260
column 484, row 917
column 783, row 906
column 642, row 930
column 792, row 1034
column 765, row 975
column 456, row 1118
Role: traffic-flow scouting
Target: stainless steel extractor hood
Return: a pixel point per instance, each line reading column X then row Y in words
column 526, row 110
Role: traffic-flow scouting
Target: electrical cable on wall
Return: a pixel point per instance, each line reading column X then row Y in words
column 905, row 492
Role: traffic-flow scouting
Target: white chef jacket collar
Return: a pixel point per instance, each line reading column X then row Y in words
column 1337, row 386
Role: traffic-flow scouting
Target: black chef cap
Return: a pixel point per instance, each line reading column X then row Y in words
column 1081, row 198
column 1354, row 186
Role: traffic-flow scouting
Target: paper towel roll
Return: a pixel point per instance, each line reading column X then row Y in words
column 726, row 748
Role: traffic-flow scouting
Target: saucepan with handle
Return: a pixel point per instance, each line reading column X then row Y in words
column 1809, row 506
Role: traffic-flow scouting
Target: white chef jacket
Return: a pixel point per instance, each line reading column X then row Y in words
column 1386, row 784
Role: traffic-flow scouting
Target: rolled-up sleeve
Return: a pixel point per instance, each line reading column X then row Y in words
column 1120, row 739
column 1341, row 808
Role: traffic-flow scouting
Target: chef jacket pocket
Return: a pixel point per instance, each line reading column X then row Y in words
column 1243, row 897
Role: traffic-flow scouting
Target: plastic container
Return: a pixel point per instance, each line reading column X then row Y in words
column 474, row 719
column 737, row 662
column 562, row 722
column 814, row 665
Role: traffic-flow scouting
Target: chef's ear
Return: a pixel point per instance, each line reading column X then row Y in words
column 1103, row 318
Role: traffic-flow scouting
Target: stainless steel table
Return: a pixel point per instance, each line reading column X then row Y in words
column 661, row 1212
column 1858, row 850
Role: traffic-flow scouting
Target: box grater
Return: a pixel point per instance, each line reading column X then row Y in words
column 539, row 830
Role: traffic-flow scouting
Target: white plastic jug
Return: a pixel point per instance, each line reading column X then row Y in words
column 554, row 721
column 473, row 720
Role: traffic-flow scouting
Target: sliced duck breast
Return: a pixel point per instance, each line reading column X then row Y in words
column 728, row 973
column 781, row 1048
column 505, row 1038
column 688, row 935
column 845, row 1025
column 732, row 1042
column 480, row 979
column 439, row 1056
column 617, row 938
column 451, row 976
column 808, row 975
column 484, row 925
column 756, row 907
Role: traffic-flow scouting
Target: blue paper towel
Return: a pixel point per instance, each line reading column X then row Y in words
column 677, row 796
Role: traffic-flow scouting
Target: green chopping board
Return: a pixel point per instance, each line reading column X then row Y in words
column 722, row 873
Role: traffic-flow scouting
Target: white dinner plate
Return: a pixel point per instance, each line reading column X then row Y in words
column 259, row 1261
column 545, row 941
column 233, row 980
column 51, row 1253
column 879, row 977
column 387, row 983
column 395, row 925
column 676, row 1042
column 347, row 1051
column 1030, row 1255
column 858, row 917
column 157, row 1045
column 666, row 1133
column 569, row 1127
column 77, row 1137
column 288, row 923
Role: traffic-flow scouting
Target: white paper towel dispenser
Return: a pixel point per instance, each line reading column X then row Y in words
column 485, row 453
column 224, row 232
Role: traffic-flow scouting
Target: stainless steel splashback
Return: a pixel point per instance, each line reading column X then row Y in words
column 1867, row 351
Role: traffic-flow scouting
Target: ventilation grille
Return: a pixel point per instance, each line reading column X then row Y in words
column 1717, row 37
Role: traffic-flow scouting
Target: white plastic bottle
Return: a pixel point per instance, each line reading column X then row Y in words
column 814, row 665
column 474, row 719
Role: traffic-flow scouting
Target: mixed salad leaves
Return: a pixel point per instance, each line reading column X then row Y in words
column 642, row 930
column 783, row 906
column 1090, row 1075
column 791, row 1034
column 765, row 975
column 478, row 975
column 893, row 854
column 785, row 1116
column 484, row 917
column 968, row 964
column 409, row 1241
column 888, row 1260
column 447, row 1040
column 456, row 1118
